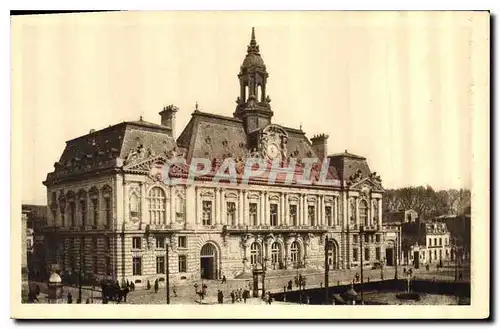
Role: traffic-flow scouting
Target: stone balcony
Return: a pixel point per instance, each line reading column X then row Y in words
column 278, row 228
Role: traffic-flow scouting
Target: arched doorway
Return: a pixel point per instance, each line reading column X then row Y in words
column 332, row 255
column 276, row 256
column 208, row 262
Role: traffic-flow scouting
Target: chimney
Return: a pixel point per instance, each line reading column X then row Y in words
column 320, row 146
column 168, row 118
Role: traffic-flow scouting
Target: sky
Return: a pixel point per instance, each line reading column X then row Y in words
column 394, row 87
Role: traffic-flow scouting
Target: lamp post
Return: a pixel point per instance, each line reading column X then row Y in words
column 80, row 275
column 326, row 271
column 395, row 257
column 167, row 273
column 361, row 254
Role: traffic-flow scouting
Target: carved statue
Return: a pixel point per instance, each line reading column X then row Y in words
column 238, row 100
column 268, row 99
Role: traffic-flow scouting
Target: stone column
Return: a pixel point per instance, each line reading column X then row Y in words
column 336, row 209
column 357, row 211
column 288, row 259
column 172, row 206
column 303, row 210
column 198, row 206
column 266, row 209
column 245, row 208
column 240, row 208
column 321, row 218
column 282, row 210
column 145, row 217
column 286, row 210
column 261, row 209
column 217, row 206
column 223, row 213
column 380, row 213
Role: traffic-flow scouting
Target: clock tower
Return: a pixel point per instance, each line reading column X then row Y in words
column 253, row 104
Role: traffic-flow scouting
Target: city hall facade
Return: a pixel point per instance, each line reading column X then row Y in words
column 113, row 213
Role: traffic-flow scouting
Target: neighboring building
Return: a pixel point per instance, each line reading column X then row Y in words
column 460, row 231
column 24, row 253
column 111, row 210
column 36, row 219
column 397, row 218
column 426, row 243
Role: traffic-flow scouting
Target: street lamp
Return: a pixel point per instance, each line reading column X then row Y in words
column 326, row 270
column 167, row 273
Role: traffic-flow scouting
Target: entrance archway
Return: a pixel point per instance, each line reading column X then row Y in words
column 208, row 262
column 332, row 255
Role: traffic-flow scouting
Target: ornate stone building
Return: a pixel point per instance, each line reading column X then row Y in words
column 108, row 190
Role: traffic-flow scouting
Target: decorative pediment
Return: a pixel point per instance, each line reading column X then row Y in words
column 253, row 196
column 274, row 197
column 207, row 193
column 293, row 198
column 146, row 164
column 328, row 199
column 231, row 195
column 311, row 199
column 367, row 184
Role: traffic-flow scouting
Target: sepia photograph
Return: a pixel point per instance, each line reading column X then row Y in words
column 206, row 164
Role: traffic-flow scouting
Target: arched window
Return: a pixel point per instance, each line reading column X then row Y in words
column 276, row 254
column 363, row 212
column 82, row 205
column 255, row 253
column 157, row 205
column 179, row 207
column 72, row 208
column 94, row 199
column 295, row 253
column 134, row 205
column 107, row 196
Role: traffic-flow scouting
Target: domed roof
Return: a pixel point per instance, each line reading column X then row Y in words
column 253, row 57
column 55, row 278
column 253, row 60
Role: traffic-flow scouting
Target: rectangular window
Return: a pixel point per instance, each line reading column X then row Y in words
column 328, row 215
column 136, row 243
column 377, row 238
column 182, row 242
column 83, row 209
column 355, row 238
column 355, row 254
column 95, row 208
column 435, row 241
column 136, row 266
column 72, row 213
column 273, row 214
column 311, row 215
column 377, row 253
column 293, row 214
column 231, row 213
column 182, row 264
column 108, row 265
column 253, row 214
column 160, row 242
column 440, row 241
column 107, row 208
column 367, row 254
column 207, row 212
column 94, row 245
column 160, row 265
column 366, row 238
column 94, row 265
column 107, row 243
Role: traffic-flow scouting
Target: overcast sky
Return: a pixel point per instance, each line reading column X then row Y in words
column 394, row 87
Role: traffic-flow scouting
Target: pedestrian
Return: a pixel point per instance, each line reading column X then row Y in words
column 157, row 286
column 246, row 293
column 404, row 270
column 128, row 284
column 87, row 301
column 70, row 298
column 232, row 296
column 132, row 285
column 321, row 284
column 174, row 289
column 224, row 279
column 290, row 285
column 148, row 285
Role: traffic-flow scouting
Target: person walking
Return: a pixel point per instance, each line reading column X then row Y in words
column 157, row 286
column 174, row 290
column 70, row 298
column 246, row 293
column 224, row 280
column 232, row 296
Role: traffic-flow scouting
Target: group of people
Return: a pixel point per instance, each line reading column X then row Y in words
column 239, row 295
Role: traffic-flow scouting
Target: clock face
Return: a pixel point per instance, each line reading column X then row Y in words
column 272, row 151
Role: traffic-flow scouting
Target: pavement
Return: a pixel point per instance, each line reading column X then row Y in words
column 275, row 281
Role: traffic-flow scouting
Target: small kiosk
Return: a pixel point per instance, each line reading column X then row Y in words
column 258, row 279
column 55, row 289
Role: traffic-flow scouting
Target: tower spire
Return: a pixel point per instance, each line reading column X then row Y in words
column 253, row 47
